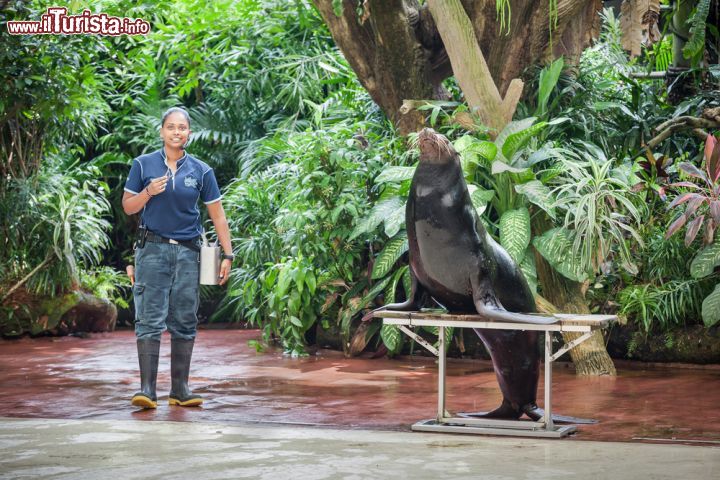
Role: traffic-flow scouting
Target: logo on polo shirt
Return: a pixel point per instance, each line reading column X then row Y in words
column 191, row 182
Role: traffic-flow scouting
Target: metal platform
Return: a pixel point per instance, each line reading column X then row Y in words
column 445, row 422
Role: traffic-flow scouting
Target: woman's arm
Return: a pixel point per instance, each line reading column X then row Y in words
column 217, row 215
column 134, row 203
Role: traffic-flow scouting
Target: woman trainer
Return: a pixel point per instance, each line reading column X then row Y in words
column 164, row 186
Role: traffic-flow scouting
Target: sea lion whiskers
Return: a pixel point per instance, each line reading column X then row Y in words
column 434, row 147
column 447, row 146
column 414, row 140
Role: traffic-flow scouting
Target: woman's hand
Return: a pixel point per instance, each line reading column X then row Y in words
column 225, row 267
column 157, row 186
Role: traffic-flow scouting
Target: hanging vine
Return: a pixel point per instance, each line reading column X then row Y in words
column 502, row 9
column 504, row 14
column 552, row 19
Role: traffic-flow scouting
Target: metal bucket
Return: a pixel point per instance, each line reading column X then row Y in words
column 209, row 262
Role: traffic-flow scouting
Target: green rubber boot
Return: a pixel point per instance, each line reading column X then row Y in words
column 180, row 356
column 148, row 355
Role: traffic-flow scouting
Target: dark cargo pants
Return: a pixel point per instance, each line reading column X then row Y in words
column 166, row 291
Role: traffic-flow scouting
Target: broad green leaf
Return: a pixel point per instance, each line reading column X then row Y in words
column 310, row 281
column 295, row 321
column 516, row 141
column 482, row 148
column 515, row 232
column 392, row 286
column 395, row 221
column 391, row 337
column 538, row 194
column 540, row 155
column 374, row 291
column 299, row 280
column 434, row 115
column 529, row 271
column 706, row 260
column 389, row 292
column 474, row 152
column 294, row 302
column 395, row 174
column 501, row 167
column 548, row 80
column 381, row 211
column 463, row 143
column 698, row 23
column 469, row 163
column 480, row 197
column 556, row 247
column 511, row 128
column 711, row 308
column 389, row 255
column 283, row 281
column 486, row 150
column 407, row 282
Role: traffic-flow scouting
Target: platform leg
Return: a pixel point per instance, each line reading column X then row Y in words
column 548, row 382
column 441, row 374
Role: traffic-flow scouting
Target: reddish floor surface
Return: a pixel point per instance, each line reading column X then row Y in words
column 94, row 378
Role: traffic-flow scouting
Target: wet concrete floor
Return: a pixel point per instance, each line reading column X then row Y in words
column 128, row 450
column 94, row 378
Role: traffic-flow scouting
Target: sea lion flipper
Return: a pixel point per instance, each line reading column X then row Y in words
column 488, row 306
column 412, row 303
column 495, row 314
column 536, row 413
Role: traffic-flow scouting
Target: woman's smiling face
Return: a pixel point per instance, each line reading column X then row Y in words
column 175, row 132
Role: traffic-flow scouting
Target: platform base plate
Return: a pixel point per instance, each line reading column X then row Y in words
column 432, row 425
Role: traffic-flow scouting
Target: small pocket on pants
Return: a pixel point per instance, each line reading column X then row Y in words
column 138, row 294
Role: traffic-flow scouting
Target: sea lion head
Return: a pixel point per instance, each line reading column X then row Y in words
column 434, row 147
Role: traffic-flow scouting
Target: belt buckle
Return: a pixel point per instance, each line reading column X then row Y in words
column 174, row 242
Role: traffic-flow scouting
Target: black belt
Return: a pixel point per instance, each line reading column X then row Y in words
column 191, row 244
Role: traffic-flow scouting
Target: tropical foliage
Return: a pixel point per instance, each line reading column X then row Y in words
column 315, row 177
column 702, row 210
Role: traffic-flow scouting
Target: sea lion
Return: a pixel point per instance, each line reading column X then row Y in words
column 455, row 261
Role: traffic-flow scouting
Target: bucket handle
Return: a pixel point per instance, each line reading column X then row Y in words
column 205, row 241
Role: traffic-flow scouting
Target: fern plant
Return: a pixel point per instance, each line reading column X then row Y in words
column 664, row 305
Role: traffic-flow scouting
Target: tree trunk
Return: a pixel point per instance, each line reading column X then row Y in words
column 681, row 32
column 591, row 356
column 470, row 67
column 386, row 54
column 397, row 53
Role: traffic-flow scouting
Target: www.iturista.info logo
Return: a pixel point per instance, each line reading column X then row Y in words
column 56, row 21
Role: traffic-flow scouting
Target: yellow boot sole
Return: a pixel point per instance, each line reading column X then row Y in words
column 143, row 402
column 193, row 402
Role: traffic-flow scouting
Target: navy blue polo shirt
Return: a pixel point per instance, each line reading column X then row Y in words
column 174, row 213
